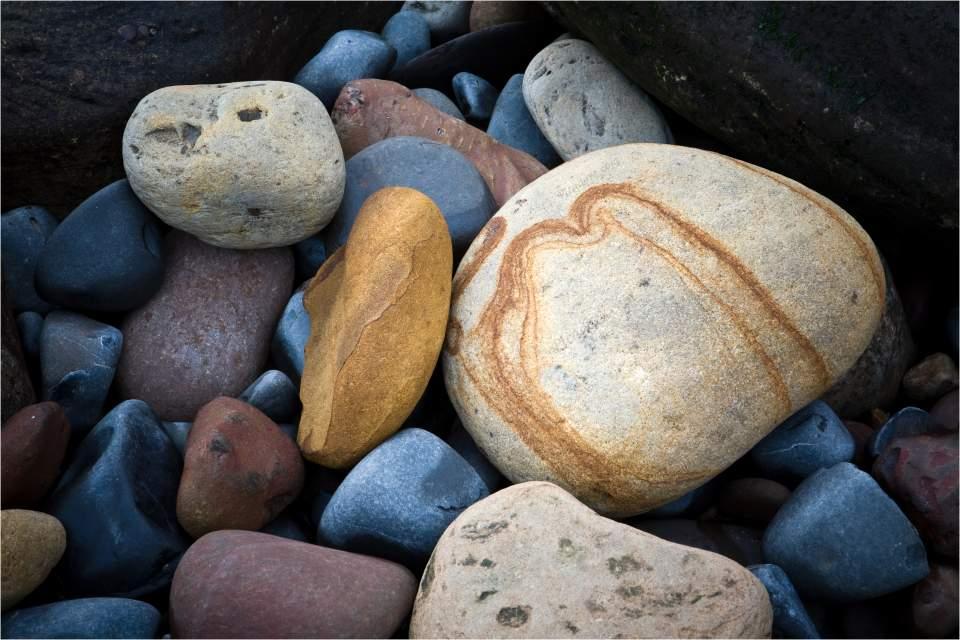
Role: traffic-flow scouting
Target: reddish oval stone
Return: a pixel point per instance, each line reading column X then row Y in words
column 239, row 470
column 33, row 444
column 244, row 584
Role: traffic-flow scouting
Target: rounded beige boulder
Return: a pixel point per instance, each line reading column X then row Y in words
column 532, row 562
column 631, row 323
column 243, row 165
column 32, row 544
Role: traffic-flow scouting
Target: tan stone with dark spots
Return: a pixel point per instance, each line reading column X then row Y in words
column 378, row 310
column 637, row 319
column 531, row 561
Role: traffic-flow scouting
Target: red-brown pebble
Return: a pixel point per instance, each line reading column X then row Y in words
column 34, row 441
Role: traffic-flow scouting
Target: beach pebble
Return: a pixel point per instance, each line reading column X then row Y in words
column 32, row 544
column 512, row 124
column 790, row 618
column 347, row 55
column 440, row 100
column 275, row 395
column 34, row 442
column 23, row 233
column 290, row 337
column 475, row 96
column 84, row 618
column 909, row 421
column 810, row 439
column 447, row 19
column 408, row 33
column 930, row 379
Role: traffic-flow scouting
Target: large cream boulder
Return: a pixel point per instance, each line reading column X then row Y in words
column 532, row 562
column 634, row 321
column 242, row 165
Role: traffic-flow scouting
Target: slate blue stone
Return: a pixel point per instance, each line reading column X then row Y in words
column 290, row 337
column 105, row 256
column 461, row 442
column 790, row 618
column 398, row 500
column 275, row 395
column 84, row 618
column 475, row 96
column 30, row 326
column 408, row 33
column 178, row 432
column 347, row 55
column 23, row 233
column 117, row 500
column 689, row 505
column 840, row 537
column 512, row 124
column 308, row 255
column 440, row 100
column 78, row 357
column 909, row 421
column 812, row 438
column 437, row 170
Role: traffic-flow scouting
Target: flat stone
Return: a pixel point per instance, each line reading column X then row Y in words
column 531, row 561
column 611, row 296
column 117, row 501
column 347, row 55
column 438, row 171
column 440, row 101
column 841, row 538
column 239, row 470
column 582, row 103
column 930, row 379
column 290, row 337
column 207, row 331
column 512, row 124
column 945, row 411
column 275, row 395
column 369, row 111
column 790, row 618
column 300, row 590
column 909, row 421
column 243, row 165
column 23, row 233
column 84, row 618
column 399, row 499
column 389, row 285
column 752, row 500
column 461, row 442
column 740, row 544
column 105, row 256
column 17, row 389
column 78, row 359
column 935, row 602
column 33, row 543
column 446, row 19
column 811, row 439
column 408, row 33
column 34, row 442
column 475, row 96
column 491, row 13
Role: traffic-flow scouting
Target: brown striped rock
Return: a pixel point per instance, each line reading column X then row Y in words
column 531, row 561
column 633, row 322
column 378, row 309
column 368, row 111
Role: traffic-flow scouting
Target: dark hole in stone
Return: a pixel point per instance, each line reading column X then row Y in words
column 254, row 211
column 190, row 134
column 135, row 149
column 248, row 115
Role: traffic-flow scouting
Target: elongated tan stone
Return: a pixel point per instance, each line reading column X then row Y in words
column 378, row 309
column 531, row 561
column 634, row 321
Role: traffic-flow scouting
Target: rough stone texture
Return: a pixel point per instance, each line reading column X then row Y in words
column 930, row 379
column 244, row 165
column 790, row 618
column 530, row 561
column 440, row 100
column 368, row 111
column 239, row 470
column 874, row 380
column 207, row 331
column 602, row 299
column 807, row 89
column 33, row 543
column 490, row 13
column 946, row 410
column 24, row 232
column 348, row 55
column 242, row 584
column 93, row 618
column 409, row 34
column 935, row 603
column 583, row 103
column 378, row 309
column 34, row 442
column 752, row 500
column 17, row 390
column 446, row 19
column 73, row 75
column 812, row 438
column 512, row 124
column 740, row 544
column 921, row 472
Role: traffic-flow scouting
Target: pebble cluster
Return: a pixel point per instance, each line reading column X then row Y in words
column 446, row 338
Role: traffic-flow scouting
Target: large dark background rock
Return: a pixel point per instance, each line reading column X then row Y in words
column 73, row 72
column 856, row 100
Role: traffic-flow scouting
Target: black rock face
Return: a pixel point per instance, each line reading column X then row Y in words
column 72, row 74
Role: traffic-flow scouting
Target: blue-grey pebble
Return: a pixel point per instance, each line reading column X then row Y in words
column 408, row 33
column 790, row 618
column 290, row 337
column 78, row 358
column 105, row 256
column 440, row 101
column 117, row 500
column 840, row 537
column 437, row 170
column 347, row 55
column 512, row 124
column 308, row 255
column 178, row 432
column 463, row 443
column 812, row 438
column 447, row 18
column 909, row 421
column 475, row 96
column 84, row 618
column 30, row 326
column 275, row 395
column 23, row 233
column 398, row 500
